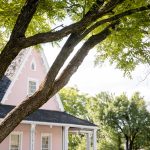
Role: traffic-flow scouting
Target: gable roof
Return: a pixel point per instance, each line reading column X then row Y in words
column 49, row 116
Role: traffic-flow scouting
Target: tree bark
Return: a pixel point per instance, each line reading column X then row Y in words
column 131, row 145
column 127, row 143
column 18, row 41
column 24, row 19
column 49, row 86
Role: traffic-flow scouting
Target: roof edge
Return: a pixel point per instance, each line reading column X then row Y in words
column 16, row 76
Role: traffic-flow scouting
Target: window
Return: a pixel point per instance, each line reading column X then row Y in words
column 32, row 66
column 32, row 87
column 46, row 142
column 15, row 141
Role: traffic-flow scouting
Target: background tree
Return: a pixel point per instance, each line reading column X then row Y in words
column 121, row 121
column 31, row 23
column 130, row 118
column 74, row 102
column 90, row 108
column 108, row 138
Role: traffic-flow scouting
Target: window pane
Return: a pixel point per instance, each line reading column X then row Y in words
column 32, row 87
column 45, row 142
column 32, row 66
column 15, row 142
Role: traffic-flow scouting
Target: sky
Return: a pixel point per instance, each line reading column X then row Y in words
column 92, row 80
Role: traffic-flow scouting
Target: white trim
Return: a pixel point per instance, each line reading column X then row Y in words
column 16, row 76
column 50, row 139
column 88, row 141
column 32, row 137
column 61, row 107
column 80, row 131
column 20, row 133
column 59, row 124
column 44, row 60
column 62, row 136
column 95, row 139
column 34, row 63
column 34, row 80
column 65, row 139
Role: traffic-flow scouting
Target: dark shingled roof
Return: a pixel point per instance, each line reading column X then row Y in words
column 4, row 84
column 48, row 116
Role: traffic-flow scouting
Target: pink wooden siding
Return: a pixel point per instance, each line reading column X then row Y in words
column 56, row 133
column 5, row 144
column 18, row 92
column 19, row 89
column 25, row 129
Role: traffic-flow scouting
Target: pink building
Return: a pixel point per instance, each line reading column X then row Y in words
column 48, row 127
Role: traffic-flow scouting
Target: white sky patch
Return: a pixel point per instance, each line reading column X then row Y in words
column 93, row 80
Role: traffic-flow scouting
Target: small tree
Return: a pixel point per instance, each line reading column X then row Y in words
column 130, row 118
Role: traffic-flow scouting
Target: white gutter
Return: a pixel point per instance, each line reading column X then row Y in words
column 80, row 131
column 58, row 124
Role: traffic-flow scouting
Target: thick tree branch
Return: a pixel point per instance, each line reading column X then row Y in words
column 46, row 90
column 53, row 36
column 24, row 18
column 15, row 45
column 110, row 6
column 42, row 95
column 122, row 130
column 80, row 55
column 12, row 48
column 18, row 41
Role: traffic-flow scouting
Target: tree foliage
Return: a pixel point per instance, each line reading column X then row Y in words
column 91, row 108
column 119, row 28
column 130, row 118
column 75, row 103
column 122, row 121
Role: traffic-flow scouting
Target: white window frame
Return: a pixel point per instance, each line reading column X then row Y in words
column 20, row 140
column 34, row 80
column 50, row 140
column 34, row 63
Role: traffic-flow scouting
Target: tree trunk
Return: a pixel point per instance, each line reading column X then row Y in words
column 50, row 86
column 131, row 145
column 127, row 144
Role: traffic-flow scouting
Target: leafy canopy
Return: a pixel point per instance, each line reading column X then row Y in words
column 118, row 117
column 126, row 47
column 130, row 118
